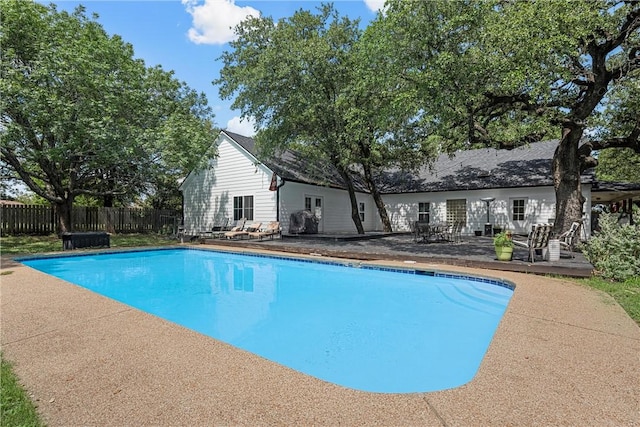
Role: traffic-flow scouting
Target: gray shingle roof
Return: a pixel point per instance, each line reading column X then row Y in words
column 292, row 166
column 484, row 168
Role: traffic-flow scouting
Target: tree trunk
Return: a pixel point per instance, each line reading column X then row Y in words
column 566, row 180
column 109, row 219
column 355, row 214
column 377, row 198
column 64, row 209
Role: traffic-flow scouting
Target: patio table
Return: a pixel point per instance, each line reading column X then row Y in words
column 431, row 232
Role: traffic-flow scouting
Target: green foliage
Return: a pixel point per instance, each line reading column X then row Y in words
column 503, row 239
column 615, row 250
column 312, row 84
column 292, row 77
column 82, row 116
column 23, row 245
column 620, row 165
column 508, row 73
column 30, row 198
column 15, row 407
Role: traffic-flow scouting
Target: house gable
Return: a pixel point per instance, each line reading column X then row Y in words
column 209, row 194
column 295, row 167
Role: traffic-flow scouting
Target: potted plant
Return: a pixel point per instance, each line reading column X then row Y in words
column 477, row 232
column 503, row 245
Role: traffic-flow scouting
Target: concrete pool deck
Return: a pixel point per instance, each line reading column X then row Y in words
column 562, row 355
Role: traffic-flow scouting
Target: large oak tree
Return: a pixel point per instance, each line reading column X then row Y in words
column 309, row 86
column 81, row 115
column 505, row 73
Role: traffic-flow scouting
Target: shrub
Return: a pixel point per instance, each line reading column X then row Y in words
column 615, row 250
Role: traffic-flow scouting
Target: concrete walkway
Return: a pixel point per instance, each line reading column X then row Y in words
column 562, row 355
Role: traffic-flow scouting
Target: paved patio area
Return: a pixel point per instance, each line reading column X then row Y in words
column 477, row 252
column 562, row 355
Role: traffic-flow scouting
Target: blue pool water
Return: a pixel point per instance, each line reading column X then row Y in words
column 367, row 329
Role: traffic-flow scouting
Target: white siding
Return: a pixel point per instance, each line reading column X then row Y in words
column 336, row 207
column 208, row 195
column 540, row 207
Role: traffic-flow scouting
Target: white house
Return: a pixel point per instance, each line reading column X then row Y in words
column 237, row 184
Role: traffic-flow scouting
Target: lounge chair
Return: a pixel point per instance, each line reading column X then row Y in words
column 273, row 229
column 538, row 239
column 238, row 226
column 242, row 231
column 568, row 238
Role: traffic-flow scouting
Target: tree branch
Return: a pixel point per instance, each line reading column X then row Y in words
column 10, row 157
column 631, row 141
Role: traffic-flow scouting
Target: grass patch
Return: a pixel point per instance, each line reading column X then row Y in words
column 25, row 245
column 16, row 409
column 626, row 293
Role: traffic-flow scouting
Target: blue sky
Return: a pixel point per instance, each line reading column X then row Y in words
column 189, row 36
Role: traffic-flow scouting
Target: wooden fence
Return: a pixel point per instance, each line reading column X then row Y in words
column 33, row 219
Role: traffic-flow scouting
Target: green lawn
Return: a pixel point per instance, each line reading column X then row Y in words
column 20, row 245
column 16, row 408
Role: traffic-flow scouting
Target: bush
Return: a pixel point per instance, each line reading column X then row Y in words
column 615, row 250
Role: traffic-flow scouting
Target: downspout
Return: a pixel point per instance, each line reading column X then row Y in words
column 282, row 181
column 274, row 186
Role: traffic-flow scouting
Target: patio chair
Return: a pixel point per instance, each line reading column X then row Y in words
column 221, row 225
column 201, row 232
column 449, row 232
column 255, row 226
column 273, row 229
column 538, row 239
column 238, row 226
column 453, row 232
column 218, row 228
column 568, row 239
column 420, row 230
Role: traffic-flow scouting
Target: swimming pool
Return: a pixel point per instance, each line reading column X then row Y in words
column 370, row 329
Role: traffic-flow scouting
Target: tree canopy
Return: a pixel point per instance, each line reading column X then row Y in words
column 312, row 84
column 506, row 73
column 81, row 115
column 427, row 77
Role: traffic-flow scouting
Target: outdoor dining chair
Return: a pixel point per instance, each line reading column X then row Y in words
column 538, row 238
column 568, row 239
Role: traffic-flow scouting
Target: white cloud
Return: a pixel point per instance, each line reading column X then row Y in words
column 375, row 5
column 214, row 20
column 242, row 126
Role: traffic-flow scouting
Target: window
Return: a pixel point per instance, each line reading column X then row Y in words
column 243, row 208
column 361, row 211
column 517, row 209
column 457, row 211
column 424, row 211
column 307, row 203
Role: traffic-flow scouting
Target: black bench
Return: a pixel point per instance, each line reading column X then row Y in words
column 85, row 240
